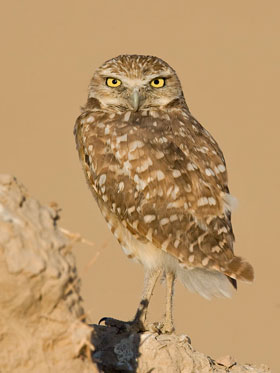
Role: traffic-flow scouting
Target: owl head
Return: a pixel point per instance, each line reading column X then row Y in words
column 134, row 82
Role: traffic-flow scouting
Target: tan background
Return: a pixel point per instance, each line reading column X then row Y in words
column 226, row 54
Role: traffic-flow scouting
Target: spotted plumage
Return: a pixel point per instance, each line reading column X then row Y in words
column 159, row 177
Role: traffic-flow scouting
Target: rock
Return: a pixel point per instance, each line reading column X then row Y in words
column 42, row 326
column 150, row 352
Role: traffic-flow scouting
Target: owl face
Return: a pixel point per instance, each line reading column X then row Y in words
column 133, row 82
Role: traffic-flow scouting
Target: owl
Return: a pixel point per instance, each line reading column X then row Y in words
column 160, row 181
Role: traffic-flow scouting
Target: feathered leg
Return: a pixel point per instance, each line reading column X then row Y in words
column 168, row 326
column 150, row 280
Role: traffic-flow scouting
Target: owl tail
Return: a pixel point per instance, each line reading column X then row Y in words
column 239, row 269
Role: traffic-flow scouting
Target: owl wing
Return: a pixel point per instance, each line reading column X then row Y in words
column 165, row 179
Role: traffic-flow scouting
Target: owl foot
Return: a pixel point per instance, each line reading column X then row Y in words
column 137, row 326
column 167, row 328
column 161, row 328
column 123, row 326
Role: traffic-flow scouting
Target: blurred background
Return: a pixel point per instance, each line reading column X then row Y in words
column 227, row 56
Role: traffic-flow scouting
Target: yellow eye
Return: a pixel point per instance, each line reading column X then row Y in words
column 158, row 82
column 113, row 82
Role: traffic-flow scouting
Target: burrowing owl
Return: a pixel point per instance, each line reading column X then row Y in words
column 160, row 181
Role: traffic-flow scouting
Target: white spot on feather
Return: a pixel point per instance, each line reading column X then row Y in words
column 162, row 139
column 121, row 186
column 221, row 168
column 90, row 119
column 188, row 188
column 176, row 204
column 154, row 114
column 127, row 166
column 164, row 221
column 140, row 184
column 176, row 243
column 135, row 224
column 216, row 249
column 191, row 258
column 133, row 155
column 159, row 154
column 217, row 171
column 205, row 261
column 191, row 166
column 211, row 201
column 144, row 166
column 230, row 202
column 120, row 154
column 149, row 218
column 131, row 209
column 222, row 230
column 160, row 175
column 165, row 244
column 175, row 192
column 203, row 149
column 127, row 116
column 122, row 138
column 209, row 172
column 202, row 201
column 102, row 179
column 135, row 144
column 160, row 192
column 176, row 173
column 149, row 235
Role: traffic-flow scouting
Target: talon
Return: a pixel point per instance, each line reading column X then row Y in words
column 103, row 319
column 111, row 322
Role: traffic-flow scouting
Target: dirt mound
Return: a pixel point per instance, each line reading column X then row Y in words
column 41, row 327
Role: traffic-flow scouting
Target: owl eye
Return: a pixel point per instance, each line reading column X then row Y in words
column 113, row 82
column 158, row 82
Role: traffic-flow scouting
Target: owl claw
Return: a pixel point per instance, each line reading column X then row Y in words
column 109, row 321
column 137, row 326
column 126, row 326
column 103, row 319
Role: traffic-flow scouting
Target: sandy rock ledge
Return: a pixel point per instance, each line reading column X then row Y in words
column 42, row 323
column 148, row 352
column 41, row 327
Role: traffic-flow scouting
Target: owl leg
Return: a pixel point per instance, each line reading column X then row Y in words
column 139, row 321
column 168, row 326
column 150, row 279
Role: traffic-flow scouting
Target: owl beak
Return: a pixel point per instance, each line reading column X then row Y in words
column 135, row 99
